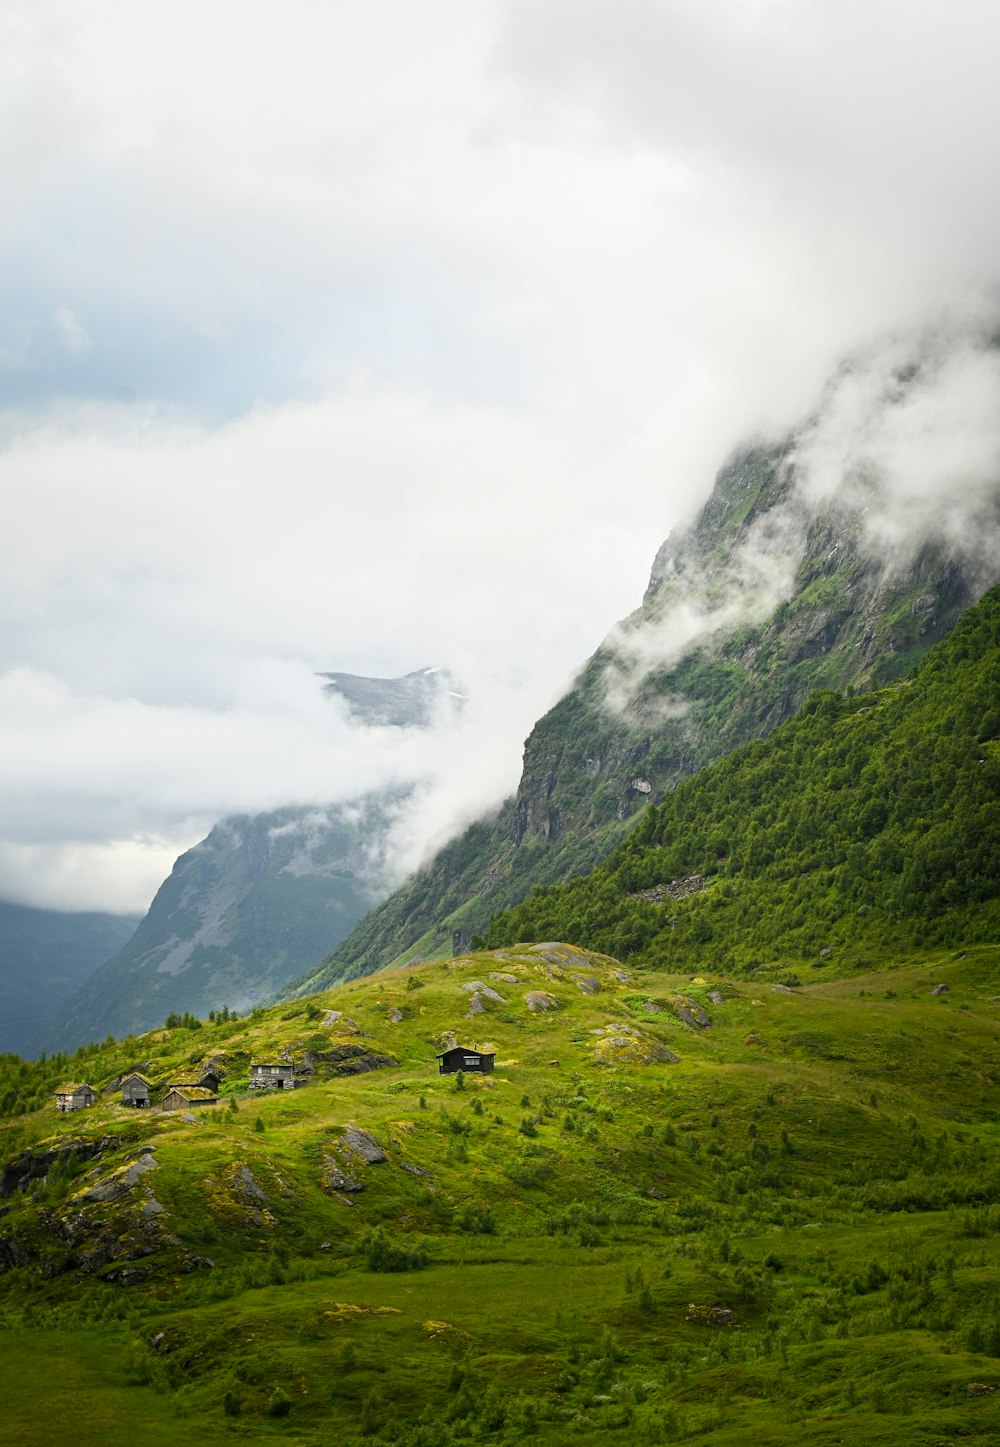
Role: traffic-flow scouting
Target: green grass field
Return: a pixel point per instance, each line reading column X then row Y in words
column 789, row 1235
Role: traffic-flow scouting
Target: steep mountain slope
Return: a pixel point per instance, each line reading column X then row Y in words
column 774, row 591
column 864, row 823
column 45, row 956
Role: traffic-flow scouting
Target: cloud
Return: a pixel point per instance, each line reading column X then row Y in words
column 370, row 336
column 912, row 429
column 72, row 334
column 904, row 440
column 170, row 593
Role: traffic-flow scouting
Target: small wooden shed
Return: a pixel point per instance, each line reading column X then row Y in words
column 272, row 1074
column 187, row 1097
column 135, row 1089
column 459, row 1057
column 75, row 1095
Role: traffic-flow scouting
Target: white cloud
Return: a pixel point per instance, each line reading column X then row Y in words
column 414, row 330
column 72, row 333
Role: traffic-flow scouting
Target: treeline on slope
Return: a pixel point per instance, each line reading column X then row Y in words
column 867, row 821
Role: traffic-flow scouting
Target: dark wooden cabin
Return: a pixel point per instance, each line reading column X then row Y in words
column 460, row 1058
column 135, row 1089
column 272, row 1074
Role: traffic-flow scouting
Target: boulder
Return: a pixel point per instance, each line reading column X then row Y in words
column 363, row 1145
column 540, row 1000
column 690, row 1013
column 478, row 988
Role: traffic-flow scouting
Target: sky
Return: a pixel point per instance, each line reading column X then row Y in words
column 365, row 336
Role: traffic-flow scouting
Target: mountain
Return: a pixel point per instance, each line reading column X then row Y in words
column 773, row 591
column 262, row 897
column 45, row 956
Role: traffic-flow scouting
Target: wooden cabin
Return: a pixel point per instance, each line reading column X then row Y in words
column 188, row 1097
column 135, row 1089
column 75, row 1095
column 272, row 1074
column 460, row 1058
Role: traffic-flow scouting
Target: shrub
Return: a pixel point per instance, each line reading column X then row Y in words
column 382, row 1254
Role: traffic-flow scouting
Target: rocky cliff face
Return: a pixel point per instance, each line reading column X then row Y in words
column 776, row 589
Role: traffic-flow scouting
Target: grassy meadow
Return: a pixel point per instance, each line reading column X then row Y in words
column 788, row 1234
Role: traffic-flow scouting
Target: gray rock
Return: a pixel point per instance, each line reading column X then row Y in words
column 119, row 1184
column 246, row 1187
column 486, row 990
column 337, row 1177
column 690, row 1012
column 717, row 997
column 396, row 1016
column 364, row 1145
column 588, row 984
column 541, row 1000
column 782, row 990
column 476, row 1007
column 413, row 1170
column 941, row 990
column 504, row 979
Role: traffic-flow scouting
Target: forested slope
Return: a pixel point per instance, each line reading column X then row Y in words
column 865, row 822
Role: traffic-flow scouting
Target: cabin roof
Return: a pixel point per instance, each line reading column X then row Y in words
column 193, row 1092
column 272, row 1064
column 136, row 1075
column 466, row 1050
column 72, row 1086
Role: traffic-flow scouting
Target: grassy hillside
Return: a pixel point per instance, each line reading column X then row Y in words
column 865, row 824
column 682, row 1208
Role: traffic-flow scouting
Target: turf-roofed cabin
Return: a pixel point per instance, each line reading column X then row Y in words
column 75, row 1095
column 206, row 1079
column 135, row 1089
column 271, row 1074
column 187, row 1097
column 459, row 1058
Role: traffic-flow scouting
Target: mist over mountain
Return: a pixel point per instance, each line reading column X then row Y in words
column 262, row 896
column 833, row 557
column 407, row 702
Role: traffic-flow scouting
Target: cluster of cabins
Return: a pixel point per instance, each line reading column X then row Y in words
column 203, row 1087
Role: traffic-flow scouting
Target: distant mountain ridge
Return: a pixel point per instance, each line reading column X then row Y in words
column 46, row 955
